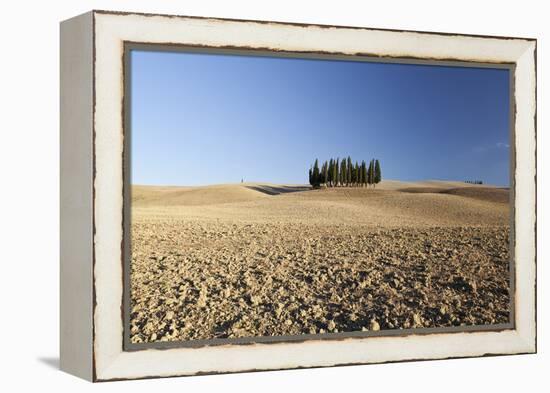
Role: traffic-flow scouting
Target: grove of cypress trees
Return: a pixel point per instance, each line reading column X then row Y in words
column 344, row 173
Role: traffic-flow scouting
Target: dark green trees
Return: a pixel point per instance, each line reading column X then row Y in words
column 377, row 172
column 363, row 173
column 374, row 173
column 315, row 175
column 344, row 173
column 350, row 170
column 370, row 173
column 336, row 172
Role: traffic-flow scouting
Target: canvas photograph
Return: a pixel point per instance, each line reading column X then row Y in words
column 276, row 198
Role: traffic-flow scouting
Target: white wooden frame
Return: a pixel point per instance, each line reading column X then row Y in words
column 92, row 49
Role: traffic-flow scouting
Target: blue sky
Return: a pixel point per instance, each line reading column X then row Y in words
column 205, row 119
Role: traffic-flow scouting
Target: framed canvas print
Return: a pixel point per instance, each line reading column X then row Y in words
column 245, row 195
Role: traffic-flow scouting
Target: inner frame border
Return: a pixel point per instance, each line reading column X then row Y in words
column 129, row 46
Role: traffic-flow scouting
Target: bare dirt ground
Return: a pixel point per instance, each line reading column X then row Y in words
column 267, row 260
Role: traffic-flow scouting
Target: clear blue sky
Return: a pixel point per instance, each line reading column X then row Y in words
column 206, row 119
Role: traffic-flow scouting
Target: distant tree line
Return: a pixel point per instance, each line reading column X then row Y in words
column 473, row 181
column 344, row 173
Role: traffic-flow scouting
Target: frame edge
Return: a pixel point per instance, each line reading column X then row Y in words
column 76, row 199
column 303, row 24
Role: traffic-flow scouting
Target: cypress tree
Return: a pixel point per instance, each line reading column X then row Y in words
column 315, row 175
column 310, row 176
column 356, row 174
column 325, row 172
column 336, row 172
column 365, row 174
column 350, row 169
column 329, row 179
column 343, row 172
column 370, row 174
column 377, row 172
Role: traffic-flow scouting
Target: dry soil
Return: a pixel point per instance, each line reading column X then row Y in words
column 267, row 260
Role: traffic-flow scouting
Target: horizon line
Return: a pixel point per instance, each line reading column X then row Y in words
column 308, row 185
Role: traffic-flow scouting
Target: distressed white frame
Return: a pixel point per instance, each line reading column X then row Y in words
column 109, row 361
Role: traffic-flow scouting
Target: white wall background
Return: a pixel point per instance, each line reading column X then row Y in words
column 29, row 182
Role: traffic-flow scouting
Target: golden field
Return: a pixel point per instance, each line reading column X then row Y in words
column 256, row 259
